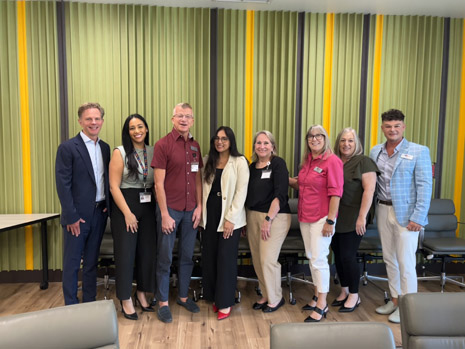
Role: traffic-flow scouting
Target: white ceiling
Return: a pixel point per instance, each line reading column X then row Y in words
column 441, row 8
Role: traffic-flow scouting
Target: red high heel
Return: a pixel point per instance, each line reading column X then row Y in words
column 215, row 308
column 222, row 315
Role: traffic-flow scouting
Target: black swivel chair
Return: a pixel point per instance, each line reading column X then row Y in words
column 370, row 250
column 440, row 242
column 106, row 259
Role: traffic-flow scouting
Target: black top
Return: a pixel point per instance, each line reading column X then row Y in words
column 262, row 190
column 351, row 200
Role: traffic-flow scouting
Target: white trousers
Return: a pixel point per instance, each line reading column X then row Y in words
column 399, row 252
column 317, row 251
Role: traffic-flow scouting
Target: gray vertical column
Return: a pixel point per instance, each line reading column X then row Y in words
column 442, row 109
column 363, row 79
column 299, row 91
column 213, row 71
column 63, row 78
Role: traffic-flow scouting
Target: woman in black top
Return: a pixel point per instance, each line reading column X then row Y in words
column 354, row 211
column 268, row 218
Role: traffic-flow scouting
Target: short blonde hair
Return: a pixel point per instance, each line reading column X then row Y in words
column 272, row 141
column 326, row 146
column 358, row 145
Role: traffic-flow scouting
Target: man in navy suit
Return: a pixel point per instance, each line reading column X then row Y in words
column 81, row 172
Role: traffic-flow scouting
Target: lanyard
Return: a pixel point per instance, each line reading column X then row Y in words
column 145, row 169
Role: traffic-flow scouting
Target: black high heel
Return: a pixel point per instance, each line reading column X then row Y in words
column 337, row 303
column 344, row 309
column 308, row 306
column 132, row 316
column 319, row 311
column 147, row 309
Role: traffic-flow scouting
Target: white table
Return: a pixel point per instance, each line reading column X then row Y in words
column 13, row 221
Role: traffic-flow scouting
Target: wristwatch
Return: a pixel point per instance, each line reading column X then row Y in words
column 267, row 218
column 329, row 221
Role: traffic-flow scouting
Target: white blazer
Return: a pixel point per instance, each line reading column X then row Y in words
column 234, row 183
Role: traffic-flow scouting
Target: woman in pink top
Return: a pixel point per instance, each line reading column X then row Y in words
column 320, row 184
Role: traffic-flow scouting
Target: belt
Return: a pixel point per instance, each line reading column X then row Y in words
column 100, row 204
column 388, row 203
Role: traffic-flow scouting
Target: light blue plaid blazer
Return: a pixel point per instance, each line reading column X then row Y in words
column 411, row 182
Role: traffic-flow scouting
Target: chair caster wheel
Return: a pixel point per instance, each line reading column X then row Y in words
column 293, row 301
column 237, row 300
column 365, row 283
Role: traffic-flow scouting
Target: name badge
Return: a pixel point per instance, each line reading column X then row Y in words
column 407, row 156
column 317, row 169
column 194, row 148
column 145, row 197
column 194, row 167
column 266, row 174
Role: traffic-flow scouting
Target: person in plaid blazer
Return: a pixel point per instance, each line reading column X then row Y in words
column 403, row 197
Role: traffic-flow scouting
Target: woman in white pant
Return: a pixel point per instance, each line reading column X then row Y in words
column 320, row 184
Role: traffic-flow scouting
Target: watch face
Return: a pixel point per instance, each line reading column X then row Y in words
column 329, row 221
column 267, row 218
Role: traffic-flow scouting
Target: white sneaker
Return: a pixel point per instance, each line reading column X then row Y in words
column 386, row 309
column 395, row 317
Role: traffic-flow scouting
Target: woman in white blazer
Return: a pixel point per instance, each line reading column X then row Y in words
column 225, row 179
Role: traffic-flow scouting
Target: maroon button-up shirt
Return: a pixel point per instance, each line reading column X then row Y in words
column 178, row 157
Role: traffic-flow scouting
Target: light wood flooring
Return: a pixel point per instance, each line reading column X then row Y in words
column 245, row 328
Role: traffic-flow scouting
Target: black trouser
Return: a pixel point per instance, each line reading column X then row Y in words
column 219, row 267
column 345, row 246
column 134, row 248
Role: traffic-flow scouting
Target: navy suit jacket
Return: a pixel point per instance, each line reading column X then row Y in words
column 75, row 180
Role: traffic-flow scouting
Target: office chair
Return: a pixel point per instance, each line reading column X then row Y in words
column 370, row 250
column 432, row 320
column 440, row 242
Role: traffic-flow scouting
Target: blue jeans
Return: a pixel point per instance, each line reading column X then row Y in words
column 186, row 235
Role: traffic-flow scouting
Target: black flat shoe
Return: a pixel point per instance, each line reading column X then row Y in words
column 258, row 306
column 344, row 309
column 147, row 309
column 319, row 311
column 269, row 309
column 132, row 316
column 337, row 303
column 308, row 306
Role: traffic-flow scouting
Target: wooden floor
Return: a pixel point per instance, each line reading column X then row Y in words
column 245, row 328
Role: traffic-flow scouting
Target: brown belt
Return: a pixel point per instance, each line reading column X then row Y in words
column 388, row 203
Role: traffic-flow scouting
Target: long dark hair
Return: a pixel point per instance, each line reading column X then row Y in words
column 213, row 155
column 133, row 169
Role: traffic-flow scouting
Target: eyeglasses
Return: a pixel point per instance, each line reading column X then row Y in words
column 182, row 116
column 222, row 139
column 318, row 137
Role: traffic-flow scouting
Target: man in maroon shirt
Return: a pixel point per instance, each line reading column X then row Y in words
column 177, row 162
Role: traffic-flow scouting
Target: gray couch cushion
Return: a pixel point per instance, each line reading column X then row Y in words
column 331, row 335
column 87, row 325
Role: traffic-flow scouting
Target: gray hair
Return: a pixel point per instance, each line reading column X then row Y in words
column 326, row 147
column 358, row 145
column 183, row 105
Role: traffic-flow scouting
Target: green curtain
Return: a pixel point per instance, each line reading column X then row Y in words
column 452, row 116
column 139, row 59
column 231, row 72
column 43, row 124
column 347, row 61
column 11, row 174
column 274, row 81
column 44, row 113
column 411, row 74
column 313, row 72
